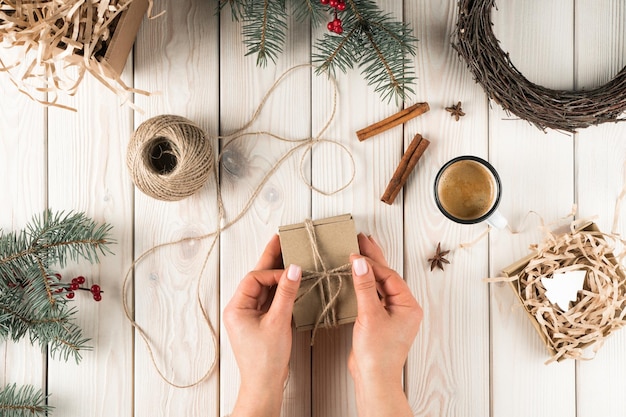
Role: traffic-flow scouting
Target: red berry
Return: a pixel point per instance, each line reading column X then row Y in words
column 70, row 295
column 74, row 281
column 333, row 3
column 330, row 26
column 74, row 286
column 341, row 6
column 97, row 297
column 95, row 289
column 338, row 30
column 324, row 2
column 80, row 280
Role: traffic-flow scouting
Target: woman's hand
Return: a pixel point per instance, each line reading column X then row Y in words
column 387, row 323
column 258, row 322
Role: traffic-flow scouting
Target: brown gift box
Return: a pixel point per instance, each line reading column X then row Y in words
column 520, row 265
column 123, row 37
column 336, row 240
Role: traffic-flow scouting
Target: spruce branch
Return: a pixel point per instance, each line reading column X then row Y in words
column 29, row 301
column 24, row 401
column 264, row 28
column 381, row 46
column 371, row 39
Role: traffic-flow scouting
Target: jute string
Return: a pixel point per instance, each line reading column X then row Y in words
column 328, row 282
column 169, row 157
column 221, row 224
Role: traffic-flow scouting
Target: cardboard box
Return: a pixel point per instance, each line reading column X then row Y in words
column 520, row 265
column 118, row 48
column 336, row 240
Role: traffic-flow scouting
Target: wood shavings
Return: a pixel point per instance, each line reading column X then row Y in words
column 50, row 44
column 601, row 306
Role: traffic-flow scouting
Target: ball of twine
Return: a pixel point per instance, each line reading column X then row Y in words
column 506, row 85
column 169, row 157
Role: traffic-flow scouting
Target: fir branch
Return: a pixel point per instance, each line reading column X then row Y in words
column 29, row 303
column 380, row 45
column 265, row 25
column 311, row 9
column 24, row 401
column 237, row 8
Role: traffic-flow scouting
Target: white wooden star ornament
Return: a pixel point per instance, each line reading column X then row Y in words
column 563, row 288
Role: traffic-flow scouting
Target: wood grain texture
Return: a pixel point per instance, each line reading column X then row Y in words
column 476, row 353
column 284, row 199
column 177, row 55
column 448, row 367
column 375, row 161
column 86, row 173
column 536, row 170
column 600, row 156
column 23, row 187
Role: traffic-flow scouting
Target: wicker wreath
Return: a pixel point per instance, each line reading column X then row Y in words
column 506, row 85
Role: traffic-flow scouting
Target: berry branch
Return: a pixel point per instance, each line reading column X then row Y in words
column 358, row 33
column 31, row 292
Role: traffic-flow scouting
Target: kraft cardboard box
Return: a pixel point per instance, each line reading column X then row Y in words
column 118, row 48
column 517, row 267
column 336, row 240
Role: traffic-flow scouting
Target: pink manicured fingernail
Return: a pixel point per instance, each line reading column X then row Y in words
column 359, row 265
column 294, row 272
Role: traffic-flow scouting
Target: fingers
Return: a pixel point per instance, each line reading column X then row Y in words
column 285, row 297
column 392, row 287
column 364, row 286
column 370, row 248
column 271, row 257
column 252, row 288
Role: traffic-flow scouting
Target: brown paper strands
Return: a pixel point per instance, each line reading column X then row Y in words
column 324, row 283
column 304, row 145
column 54, row 37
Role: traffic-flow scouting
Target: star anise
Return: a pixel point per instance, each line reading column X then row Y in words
column 438, row 260
column 456, row 111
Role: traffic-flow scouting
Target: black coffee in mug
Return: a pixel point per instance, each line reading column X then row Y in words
column 467, row 189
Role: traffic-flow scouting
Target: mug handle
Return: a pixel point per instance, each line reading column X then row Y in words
column 497, row 220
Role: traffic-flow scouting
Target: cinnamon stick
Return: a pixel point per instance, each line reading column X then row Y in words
column 393, row 121
column 409, row 160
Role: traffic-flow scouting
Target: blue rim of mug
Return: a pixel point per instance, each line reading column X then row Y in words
column 495, row 176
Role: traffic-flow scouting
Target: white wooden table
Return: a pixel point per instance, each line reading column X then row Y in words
column 474, row 356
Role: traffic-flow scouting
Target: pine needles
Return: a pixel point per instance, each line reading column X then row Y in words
column 24, row 401
column 29, row 302
column 380, row 46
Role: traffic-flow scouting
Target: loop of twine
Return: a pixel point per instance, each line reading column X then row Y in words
column 324, row 282
column 305, row 144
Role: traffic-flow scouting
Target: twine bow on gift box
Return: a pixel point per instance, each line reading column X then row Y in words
column 328, row 283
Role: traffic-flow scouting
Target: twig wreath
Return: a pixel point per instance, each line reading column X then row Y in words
column 506, row 85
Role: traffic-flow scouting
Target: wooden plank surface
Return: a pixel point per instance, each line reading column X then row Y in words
column 177, row 56
column 85, row 158
column 476, row 352
column 541, row 47
column 600, row 152
column 23, row 178
column 448, row 368
column 284, row 199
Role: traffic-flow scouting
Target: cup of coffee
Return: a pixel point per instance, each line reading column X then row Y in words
column 468, row 190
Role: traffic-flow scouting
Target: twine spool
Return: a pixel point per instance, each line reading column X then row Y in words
column 169, row 157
